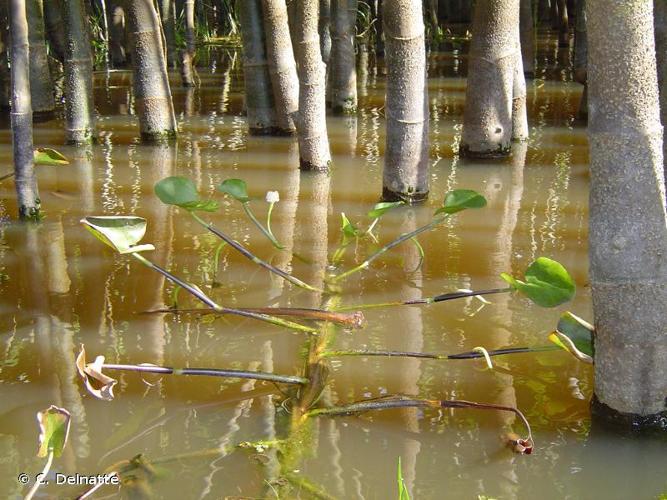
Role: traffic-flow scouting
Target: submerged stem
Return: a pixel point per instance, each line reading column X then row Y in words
column 265, row 231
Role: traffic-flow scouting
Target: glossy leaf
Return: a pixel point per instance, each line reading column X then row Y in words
column 120, row 232
column 547, row 283
column 382, row 208
column 236, row 188
column 461, row 199
column 53, row 430
column 182, row 192
column 48, row 156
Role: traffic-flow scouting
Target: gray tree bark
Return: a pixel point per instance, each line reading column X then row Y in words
column 526, row 27
column 21, row 115
column 487, row 119
column 628, row 225
column 581, row 56
column 311, row 121
column 258, row 95
column 343, row 71
column 660, row 22
column 406, row 158
column 79, row 106
column 155, row 108
column 167, row 11
column 41, row 84
column 519, row 111
column 282, row 67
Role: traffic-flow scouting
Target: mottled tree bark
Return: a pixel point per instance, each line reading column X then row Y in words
column 53, row 22
column 155, row 108
column 519, row 111
column 258, row 95
column 487, row 119
column 406, row 158
column 311, row 121
column 343, row 71
column 282, row 67
column 79, row 107
column 628, row 225
column 41, row 84
column 527, row 37
column 117, row 34
column 660, row 22
column 21, row 115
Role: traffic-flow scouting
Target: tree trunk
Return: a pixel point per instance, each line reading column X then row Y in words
column 487, row 119
column 563, row 24
column 155, row 108
column 53, row 22
column 406, row 158
column 325, row 30
column 21, row 115
column 188, row 53
column 5, row 78
column 79, row 106
column 41, row 84
column 117, row 35
column 660, row 21
column 282, row 67
column 312, row 124
column 519, row 111
column 343, row 72
column 581, row 56
column 527, row 37
column 259, row 98
column 628, row 225
column 169, row 29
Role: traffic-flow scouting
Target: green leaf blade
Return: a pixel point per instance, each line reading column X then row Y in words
column 48, row 156
column 176, row 190
column 383, row 207
column 461, row 199
column 236, row 188
column 547, row 283
column 120, row 232
column 54, row 425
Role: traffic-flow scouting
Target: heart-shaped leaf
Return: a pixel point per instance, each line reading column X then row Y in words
column 460, row 199
column 575, row 336
column 236, row 188
column 382, row 208
column 120, row 232
column 182, row 192
column 347, row 227
column 53, row 430
column 96, row 382
column 48, row 156
column 548, row 283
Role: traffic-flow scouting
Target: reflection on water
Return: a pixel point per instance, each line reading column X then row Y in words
column 60, row 288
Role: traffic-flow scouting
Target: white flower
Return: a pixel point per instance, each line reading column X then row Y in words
column 272, row 197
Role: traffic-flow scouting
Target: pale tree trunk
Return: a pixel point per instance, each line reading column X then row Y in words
column 282, row 68
column 41, row 84
column 258, row 95
column 53, row 22
column 527, row 37
column 343, row 73
column 79, row 107
column 406, row 158
column 117, row 34
column 169, row 29
column 628, row 225
column 519, row 111
column 325, row 30
column 660, row 21
column 5, row 79
column 155, row 108
column 487, row 118
column 21, row 115
column 188, row 54
column 581, row 56
column 312, row 124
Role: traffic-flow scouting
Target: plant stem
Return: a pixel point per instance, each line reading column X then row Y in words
column 268, row 227
column 403, row 237
column 209, row 372
column 426, row 355
column 265, row 231
column 38, row 478
column 247, row 254
column 217, row 307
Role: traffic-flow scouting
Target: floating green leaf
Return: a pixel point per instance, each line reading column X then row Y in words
column 382, row 208
column 347, row 227
column 48, row 156
column 120, row 232
column 548, row 283
column 236, row 188
column 182, row 192
column 460, row 199
column 579, row 331
column 53, row 430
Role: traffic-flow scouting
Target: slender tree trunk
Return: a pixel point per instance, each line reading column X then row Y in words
column 151, row 82
column 660, row 21
column 581, row 56
column 487, row 119
column 169, row 29
column 312, row 124
column 188, row 53
column 117, row 35
column 519, row 111
column 5, row 78
column 527, row 37
column 563, row 24
column 79, row 106
column 544, row 11
column 259, row 97
column 628, row 225
column 282, row 67
column 41, row 84
column 53, row 22
column 325, row 30
column 406, row 159
column 379, row 28
column 21, row 115
column 343, row 72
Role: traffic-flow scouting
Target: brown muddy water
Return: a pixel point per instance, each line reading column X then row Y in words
column 61, row 288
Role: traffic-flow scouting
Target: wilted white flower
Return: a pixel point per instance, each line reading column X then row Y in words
column 272, row 197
